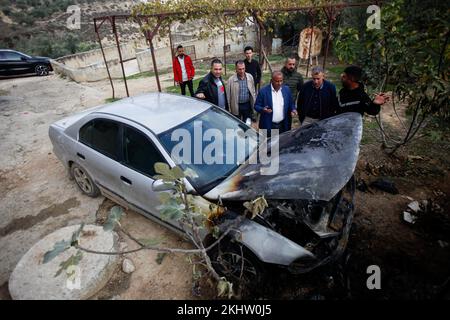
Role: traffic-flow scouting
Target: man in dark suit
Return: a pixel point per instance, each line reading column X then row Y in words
column 274, row 102
column 317, row 98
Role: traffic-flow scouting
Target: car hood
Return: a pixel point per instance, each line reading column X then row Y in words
column 40, row 58
column 315, row 163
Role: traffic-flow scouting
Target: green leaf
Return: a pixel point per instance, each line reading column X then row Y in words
column 256, row 206
column 162, row 168
column 76, row 235
column 171, row 210
column 160, row 257
column 73, row 260
column 225, row 288
column 164, row 172
column 196, row 274
column 114, row 217
column 58, row 248
column 216, row 232
column 151, row 242
column 164, row 197
column 177, row 173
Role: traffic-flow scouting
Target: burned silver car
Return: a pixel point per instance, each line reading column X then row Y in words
column 112, row 150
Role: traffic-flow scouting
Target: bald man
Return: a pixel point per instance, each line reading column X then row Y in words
column 274, row 102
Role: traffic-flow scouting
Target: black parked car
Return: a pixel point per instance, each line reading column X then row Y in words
column 15, row 63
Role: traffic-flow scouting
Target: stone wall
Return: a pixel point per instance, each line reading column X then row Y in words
column 89, row 66
column 204, row 49
column 93, row 72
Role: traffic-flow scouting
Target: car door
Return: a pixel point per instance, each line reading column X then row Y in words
column 139, row 157
column 15, row 63
column 99, row 152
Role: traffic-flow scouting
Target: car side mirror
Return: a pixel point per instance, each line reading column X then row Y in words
column 160, row 185
column 23, row 58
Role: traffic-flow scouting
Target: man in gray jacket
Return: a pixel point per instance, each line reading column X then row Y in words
column 240, row 90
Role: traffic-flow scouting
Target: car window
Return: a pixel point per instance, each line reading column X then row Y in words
column 235, row 142
column 139, row 152
column 101, row 135
column 11, row 56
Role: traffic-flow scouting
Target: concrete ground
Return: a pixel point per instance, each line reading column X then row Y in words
column 37, row 197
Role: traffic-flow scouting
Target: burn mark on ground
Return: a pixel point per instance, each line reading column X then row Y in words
column 27, row 222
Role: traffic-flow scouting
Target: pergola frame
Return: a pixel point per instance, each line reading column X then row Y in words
column 331, row 12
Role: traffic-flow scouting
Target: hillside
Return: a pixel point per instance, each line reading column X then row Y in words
column 39, row 27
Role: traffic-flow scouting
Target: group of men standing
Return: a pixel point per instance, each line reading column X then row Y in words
column 237, row 95
column 286, row 96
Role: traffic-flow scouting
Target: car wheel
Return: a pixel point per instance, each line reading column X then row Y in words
column 84, row 181
column 239, row 266
column 41, row 70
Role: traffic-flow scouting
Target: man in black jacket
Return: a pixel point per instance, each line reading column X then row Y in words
column 212, row 87
column 252, row 66
column 353, row 98
column 317, row 98
column 292, row 78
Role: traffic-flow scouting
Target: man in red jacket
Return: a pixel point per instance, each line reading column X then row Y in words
column 183, row 71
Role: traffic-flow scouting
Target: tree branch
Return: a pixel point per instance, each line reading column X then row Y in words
column 237, row 221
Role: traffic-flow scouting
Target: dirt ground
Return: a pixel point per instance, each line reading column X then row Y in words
column 414, row 260
column 37, row 197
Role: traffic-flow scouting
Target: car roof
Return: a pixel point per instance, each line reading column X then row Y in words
column 14, row 51
column 10, row 50
column 158, row 112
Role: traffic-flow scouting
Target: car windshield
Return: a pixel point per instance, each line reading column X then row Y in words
column 210, row 147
